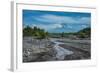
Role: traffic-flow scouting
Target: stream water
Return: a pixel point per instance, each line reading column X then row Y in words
column 61, row 52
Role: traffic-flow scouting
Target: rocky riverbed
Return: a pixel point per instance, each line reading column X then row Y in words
column 78, row 54
column 35, row 50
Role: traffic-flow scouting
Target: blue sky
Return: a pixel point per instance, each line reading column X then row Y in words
column 53, row 21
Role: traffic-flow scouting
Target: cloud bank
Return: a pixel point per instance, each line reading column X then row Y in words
column 57, row 22
column 63, row 19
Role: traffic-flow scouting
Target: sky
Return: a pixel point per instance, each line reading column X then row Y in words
column 57, row 22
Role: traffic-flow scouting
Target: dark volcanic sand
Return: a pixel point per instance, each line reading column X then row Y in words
column 78, row 53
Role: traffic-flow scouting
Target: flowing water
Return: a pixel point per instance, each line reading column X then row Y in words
column 61, row 52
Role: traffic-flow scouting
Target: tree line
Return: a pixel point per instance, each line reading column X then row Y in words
column 84, row 33
column 41, row 33
column 35, row 32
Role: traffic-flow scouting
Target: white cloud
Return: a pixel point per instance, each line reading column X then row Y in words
column 84, row 26
column 63, row 19
column 56, row 21
column 57, row 25
column 48, row 27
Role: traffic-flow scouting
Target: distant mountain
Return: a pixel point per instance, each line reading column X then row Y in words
column 84, row 33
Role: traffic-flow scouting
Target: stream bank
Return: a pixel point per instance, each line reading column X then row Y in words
column 51, row 50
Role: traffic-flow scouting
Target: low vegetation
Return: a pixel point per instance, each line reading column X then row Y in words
column 42, row 34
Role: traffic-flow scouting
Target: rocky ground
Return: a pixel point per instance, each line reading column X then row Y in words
column 81, row 51
column 33, row 52
column 43, row 50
